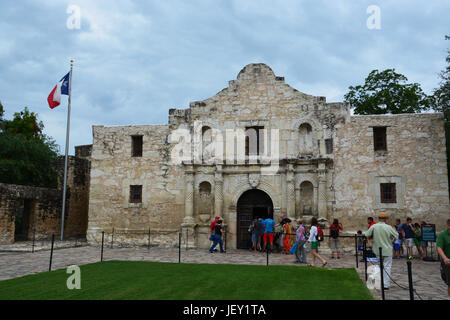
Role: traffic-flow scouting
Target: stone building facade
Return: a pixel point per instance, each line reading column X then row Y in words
column 28, row 212
column 260, row 148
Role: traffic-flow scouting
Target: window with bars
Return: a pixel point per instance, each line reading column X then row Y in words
column 388, row 193
column 135, row 194
column 254, row 140
column 329, row 146
column 136, row 146
column 379, row 139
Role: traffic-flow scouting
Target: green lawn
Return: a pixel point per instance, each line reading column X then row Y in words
column 153, row 280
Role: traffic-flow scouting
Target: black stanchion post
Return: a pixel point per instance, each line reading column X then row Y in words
column 34, row 238
column 356, row 251
column 112, row 238
column 267, row 253
column 51, row 253
column 225, row 239
column 381, row 273
column 103, row 240
column 179, row 247
column 365, row 259
column 411, row 289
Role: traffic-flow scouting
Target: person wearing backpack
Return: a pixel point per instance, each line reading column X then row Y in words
column 334, row 238
column 313, row 234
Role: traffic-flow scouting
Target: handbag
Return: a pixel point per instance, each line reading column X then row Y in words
column 293, row 248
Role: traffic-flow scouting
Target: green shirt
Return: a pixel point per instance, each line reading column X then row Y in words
column 382, row 237
column 443, row 242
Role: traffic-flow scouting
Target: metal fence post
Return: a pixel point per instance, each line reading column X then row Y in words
column 148, row 238
column 225, row 238
column 381, row 273
column 365, row 259
column 112, row 238
column 103, row 240
column 34, row 238
column 179, row 247
column 51, row 253
column 411, row 289
column 356, row 251
column 267, row 253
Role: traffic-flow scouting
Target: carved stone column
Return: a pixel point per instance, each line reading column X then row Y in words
column 290, row 194
column 218, row 192
column 322, row 192
column 188, row 225
column 189, row 195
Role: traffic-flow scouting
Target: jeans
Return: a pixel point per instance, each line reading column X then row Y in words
column 300, row 252
column 217, row 240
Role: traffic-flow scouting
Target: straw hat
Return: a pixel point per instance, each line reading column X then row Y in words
column 382, row 215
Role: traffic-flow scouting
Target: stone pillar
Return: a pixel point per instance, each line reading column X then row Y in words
column 188, row 225
column 322, row 192
column 290, row 194
column 189, row 195
column 298, row 204
column 218, row 192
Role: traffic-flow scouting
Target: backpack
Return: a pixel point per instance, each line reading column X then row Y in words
column 319, row 234
column 334, row 231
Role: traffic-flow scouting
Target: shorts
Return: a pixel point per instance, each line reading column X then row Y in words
column 334, row 244
column 268, row 235
column 409, row 242
column 424, row 243
column 397, row 246
column 445, row 273
column 315, row 245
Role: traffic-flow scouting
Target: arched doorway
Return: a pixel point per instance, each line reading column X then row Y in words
column 251, row 204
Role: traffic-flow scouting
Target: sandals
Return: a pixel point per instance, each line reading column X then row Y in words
column 323, row 265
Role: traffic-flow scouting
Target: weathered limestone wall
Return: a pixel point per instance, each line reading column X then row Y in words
column 415, row 160
column 325, row 164
column 113, row 170
column 44, row 213
column 78, row 175
column 44, row 205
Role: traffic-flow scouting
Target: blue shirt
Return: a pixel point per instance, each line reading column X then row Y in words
column 268, row 223
column 409, row 233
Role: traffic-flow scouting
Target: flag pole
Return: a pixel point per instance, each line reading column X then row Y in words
column 67, row 151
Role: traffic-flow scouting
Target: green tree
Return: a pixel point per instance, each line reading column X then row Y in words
column 27, row 156
column 387, row 92
column 2, row 111
column 442, row 94
column 441, row 102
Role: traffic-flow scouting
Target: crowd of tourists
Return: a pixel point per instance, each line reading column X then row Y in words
column 266, row 233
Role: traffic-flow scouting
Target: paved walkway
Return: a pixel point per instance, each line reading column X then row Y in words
column 426, row 275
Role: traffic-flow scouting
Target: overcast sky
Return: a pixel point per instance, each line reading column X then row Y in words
column 135, row 61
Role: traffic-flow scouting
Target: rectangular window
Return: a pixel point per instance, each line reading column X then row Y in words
column 379, row 139
column 254, row 140
column 136, row 194
column 136, row 146
column 329, row 146
column 388, row 193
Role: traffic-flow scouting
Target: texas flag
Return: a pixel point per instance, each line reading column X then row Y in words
column 62, row 87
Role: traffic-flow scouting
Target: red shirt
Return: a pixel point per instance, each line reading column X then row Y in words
column 339, row 228
column 213, row 225
column 371, row 224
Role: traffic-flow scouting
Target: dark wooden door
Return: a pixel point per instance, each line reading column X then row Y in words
column 245, row 216
column 252, row 204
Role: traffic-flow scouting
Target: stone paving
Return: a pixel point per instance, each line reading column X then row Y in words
column 426, row 275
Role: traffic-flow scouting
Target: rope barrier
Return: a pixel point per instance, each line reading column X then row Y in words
column 390, row 278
